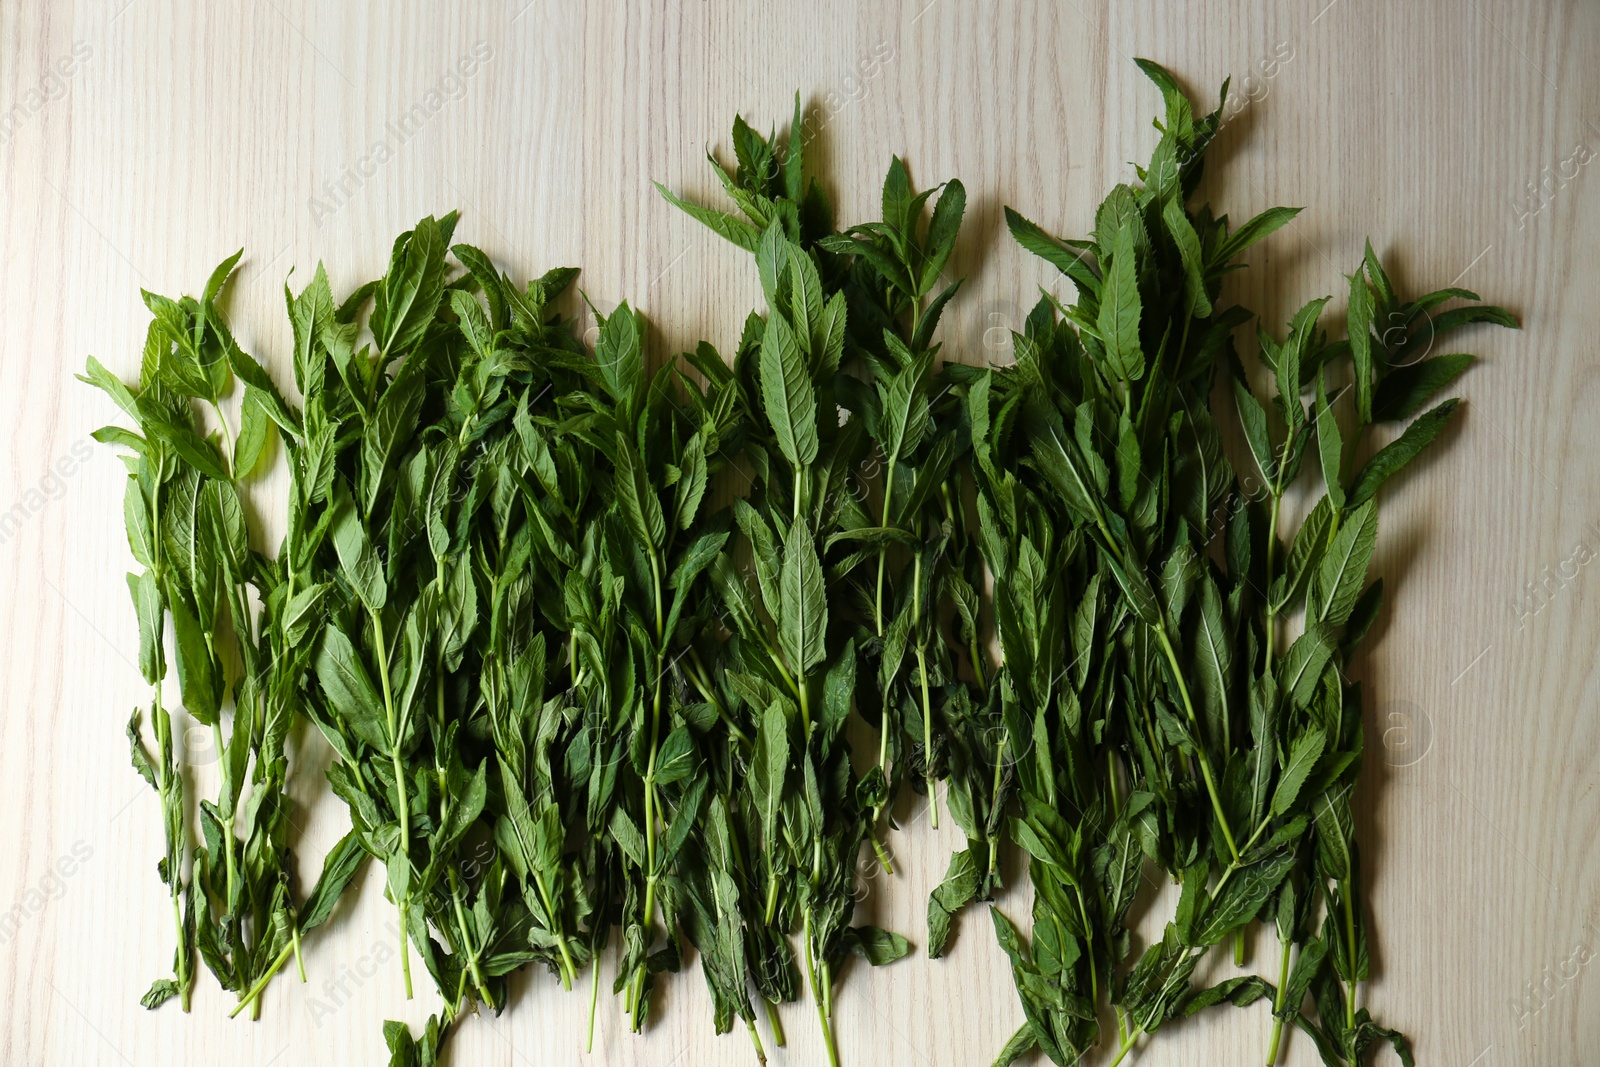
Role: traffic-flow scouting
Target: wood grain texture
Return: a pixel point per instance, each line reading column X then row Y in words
column 180, row 134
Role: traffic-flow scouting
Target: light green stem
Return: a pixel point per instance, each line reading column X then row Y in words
column 568, row 970
column 468, row 947
column 594, row 1000
column 776, row 1023
column 755, row 1039
column 1272, row 610
column 171, row 788
column 183, row 967
column 697, row 674
column 1236, row 864
column 1094, row 978
column 1127, row 1044
column 881, row 852
column 227, row 824
column 883, row 550
column 877, row 809
column 1350, row 937
column 636, row 990
column 1205, row 761
column 252, row 996
column 927, row 710
column 927, row 742
column 994, row 796
column 819, row 995
column 404, row 903
column 1277, row 1007
column 1272, row 546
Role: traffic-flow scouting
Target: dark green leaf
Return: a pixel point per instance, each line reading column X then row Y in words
column 877, row 946
column 804, row 604
column 1404, row 390
column 339, row 868
column 1253, row 231
column 1120, row 308
column 1197, row 302
column 734, row 229
column 788, row 395
column 676, row 760
column 349, row 688
column 1302, row 758
column 196, row 670
column 149, row 605
column 1360, row 332
column 1342, row 573
column 1392, row 457
column 357, row 560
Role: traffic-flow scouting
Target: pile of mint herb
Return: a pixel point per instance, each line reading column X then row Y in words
column 570, row 695
column 1165, row 717
column 232, row 645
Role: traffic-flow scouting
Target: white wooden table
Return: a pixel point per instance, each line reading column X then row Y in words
column 142, row 141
